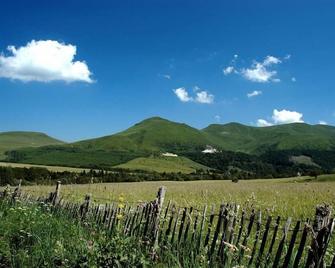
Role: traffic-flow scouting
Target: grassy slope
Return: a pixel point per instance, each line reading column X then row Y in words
column 163, row 164
column 51, row 168
column 21, row 139
column 237, row 137
column 159, row 135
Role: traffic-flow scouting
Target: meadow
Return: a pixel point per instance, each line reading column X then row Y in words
column 296, row 197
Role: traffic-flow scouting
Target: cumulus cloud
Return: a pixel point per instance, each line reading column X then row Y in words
column 321, row 122
column 44, row 61
column 286, row 117
column 228, row 70
column 182, row 94
column 260, row 72
column 201, row 96
column 263, row 123
column 281, row 117
column 254, row 93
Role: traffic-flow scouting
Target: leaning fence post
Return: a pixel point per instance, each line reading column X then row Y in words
column 323, row 227
column 159, row 204
column 57, row 193
column 83, row 209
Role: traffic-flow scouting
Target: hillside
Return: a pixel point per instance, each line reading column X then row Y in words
column 156, row 135
column 163, row 164
column 21, row 139
column 256, row 140
column 153, row 134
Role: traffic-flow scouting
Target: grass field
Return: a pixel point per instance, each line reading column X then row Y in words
column 51, row 168
column 163, row 164
column 296, row 197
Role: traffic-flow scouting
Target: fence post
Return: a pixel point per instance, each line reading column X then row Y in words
column 322, row 227
column 83, row 209
column 57, row 193
column 322, row 217
column 159, row 204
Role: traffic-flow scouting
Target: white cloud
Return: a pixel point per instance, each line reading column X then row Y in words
column 167, row 76
column 254, row 93
column 263, row 123
column 204, row 97
column 217, row 118
column 321, row 122
column 269, row 60
column 228, row 70
column 281, row 117
column 182, row 94
column 286, row 117
column 201, row 96
column 44, row 61
column 259, row 71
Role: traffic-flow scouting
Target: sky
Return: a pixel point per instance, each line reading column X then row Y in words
column 83, row 69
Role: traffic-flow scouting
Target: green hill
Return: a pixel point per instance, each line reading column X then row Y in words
column 156, row 135
column 256, row 140
column 163, row 164
column 153, row 134
column 21, row 139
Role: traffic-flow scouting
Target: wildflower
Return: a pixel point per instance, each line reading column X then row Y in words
column 121, row 205
column 119, row 216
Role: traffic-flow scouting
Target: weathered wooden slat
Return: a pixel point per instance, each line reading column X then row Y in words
column 175, row 226
column 195, row 227
column 258, row 230
column 217, row 231
column 181, row 227
column 246, row 237
column 210, row 225
column 202, row 227
column 169, row 228
column 273, row 240
column 301, row 246
column 189, row 220
column 281, row 243
column 225, row 221
column 264, row 240
column 241, row 228
column 291, row 246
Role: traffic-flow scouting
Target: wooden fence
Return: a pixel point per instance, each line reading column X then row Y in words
column 228, row 236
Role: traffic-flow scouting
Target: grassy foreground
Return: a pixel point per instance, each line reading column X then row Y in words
column 296, row 197
column 33, row 235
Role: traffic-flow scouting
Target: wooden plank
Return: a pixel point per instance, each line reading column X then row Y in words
column 182, row 225
column 274, row 235
column 201, row 228
column 189, row 220
column 281, row 243
column 169, row 228
column 210, row 225
column 264, row 240
column 291, row 246
column 225, row 221
column 175, row 226
column 241, row 228
column 258, row 230
column 217, row 230
column 301, row 246
column 246, row 237
column 195, row 226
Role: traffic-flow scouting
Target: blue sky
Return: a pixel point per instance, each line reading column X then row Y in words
column 137, row 59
